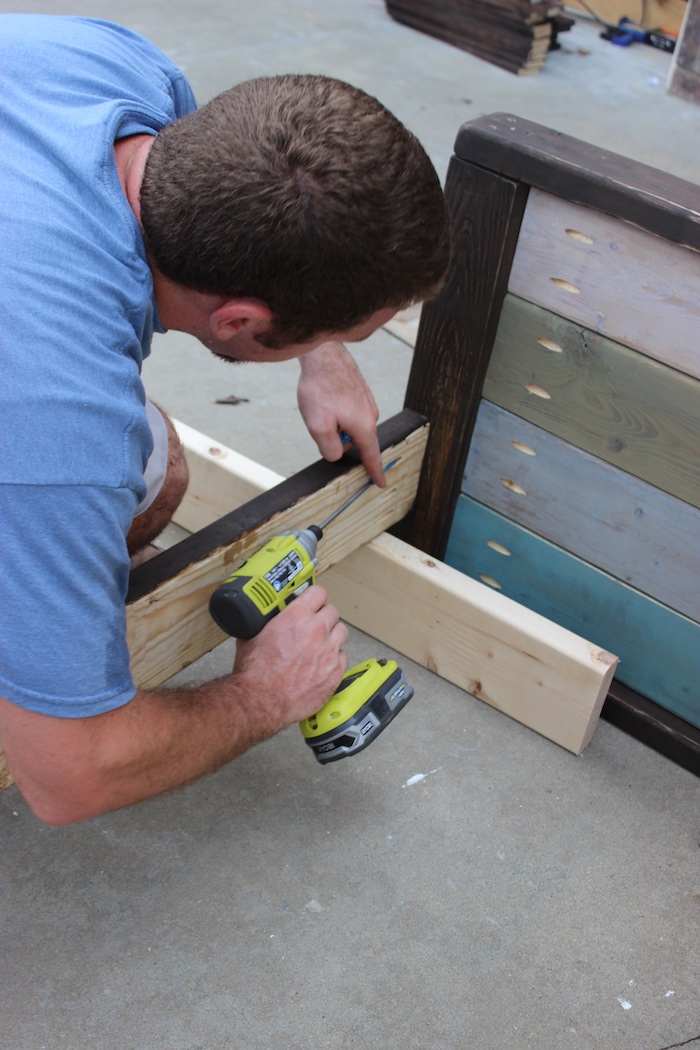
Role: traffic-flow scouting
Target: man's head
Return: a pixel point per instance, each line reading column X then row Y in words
column 301, row 192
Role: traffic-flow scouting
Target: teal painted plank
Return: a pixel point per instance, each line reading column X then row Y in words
column 659, row 649
column 598, row 512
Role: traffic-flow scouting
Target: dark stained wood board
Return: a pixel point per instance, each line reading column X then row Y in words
column 227, row 529
column 537, row 156
column 451, row 356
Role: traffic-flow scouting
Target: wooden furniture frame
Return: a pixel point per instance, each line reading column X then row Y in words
column 395, row 586
column 538, row 673
column 498, row 160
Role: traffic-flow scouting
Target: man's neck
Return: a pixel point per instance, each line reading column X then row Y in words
column 130, row 156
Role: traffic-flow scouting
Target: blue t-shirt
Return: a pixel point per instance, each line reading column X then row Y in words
column 76, row 320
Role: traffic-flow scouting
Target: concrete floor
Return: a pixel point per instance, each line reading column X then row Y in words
column 512, row 897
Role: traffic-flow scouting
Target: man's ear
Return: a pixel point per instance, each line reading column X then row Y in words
column 234, row 315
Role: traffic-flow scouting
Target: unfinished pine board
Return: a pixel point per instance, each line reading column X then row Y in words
column 659, row 649
column 618, row 523
column 210, row 463
column 227, row 487
column 511, row 658
column 615, row 403
column 168, row 621
column 404, row 324
column 614, row 279
column 6, row 778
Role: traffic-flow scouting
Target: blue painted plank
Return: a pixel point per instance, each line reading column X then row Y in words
column 659, row 649
column 596, row 511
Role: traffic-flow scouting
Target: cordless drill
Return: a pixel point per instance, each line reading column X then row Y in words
column 369, row 695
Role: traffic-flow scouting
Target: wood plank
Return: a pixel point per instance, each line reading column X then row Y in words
column 661, row 730
column 514, row 36
column 629, row 410
column 227, row 487
column 626, row 284
column 168, row 621
column 528, row 668
column 659, row 649
column 616, row 522
column 6, row 778
column 684, row 76
column 404, row 324
column 210, row 462
column 454, row 342
column 583, row 173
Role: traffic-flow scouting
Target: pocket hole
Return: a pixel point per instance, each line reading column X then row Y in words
column 498, row 548
column 513, row 486
column 566, row 286
column 583, row 238
column 525, row 449
column 549, row 344
column 537, row 391
column 490, row 581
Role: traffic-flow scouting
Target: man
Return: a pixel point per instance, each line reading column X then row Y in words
column 286, row 216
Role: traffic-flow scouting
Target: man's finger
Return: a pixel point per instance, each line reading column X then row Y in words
column 372, row 460
column 314, row 597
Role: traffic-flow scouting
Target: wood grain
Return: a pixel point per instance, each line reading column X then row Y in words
column 452, row 353
column 661, row 730
column 659, row 649
column 577, row 171
column 684, row 78
column 525, row 666
column 168, row 621
column 631, row 286
column 514, row 35
column 618, row 523
column 629, row 410
column 210, row 463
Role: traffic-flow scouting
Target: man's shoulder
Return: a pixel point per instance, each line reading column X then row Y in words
column 97, row 56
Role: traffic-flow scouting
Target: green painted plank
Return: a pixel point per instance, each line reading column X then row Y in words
column 659, row 649
column 611, row 519
column 615, row 403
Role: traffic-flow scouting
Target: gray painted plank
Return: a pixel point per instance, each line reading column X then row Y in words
column 611, row 519
column 622, row 282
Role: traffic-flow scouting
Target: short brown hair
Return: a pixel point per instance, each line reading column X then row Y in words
column 303, row 192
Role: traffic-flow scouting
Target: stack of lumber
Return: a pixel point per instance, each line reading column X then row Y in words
column 513, row 34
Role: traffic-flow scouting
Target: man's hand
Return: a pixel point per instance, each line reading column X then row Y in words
column 333, row 397
column 296, row 662
column 69, row 769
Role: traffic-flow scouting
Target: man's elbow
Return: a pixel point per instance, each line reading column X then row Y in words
column 56, row 806
column 53, row 763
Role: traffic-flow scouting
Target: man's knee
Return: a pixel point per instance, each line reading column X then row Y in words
column 149, row 524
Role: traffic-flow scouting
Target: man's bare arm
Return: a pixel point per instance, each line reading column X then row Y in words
column 71, row 769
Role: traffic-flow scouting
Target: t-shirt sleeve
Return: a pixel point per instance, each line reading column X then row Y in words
column 65, row 570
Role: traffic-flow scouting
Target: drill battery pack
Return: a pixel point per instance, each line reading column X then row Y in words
column 369, row 696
